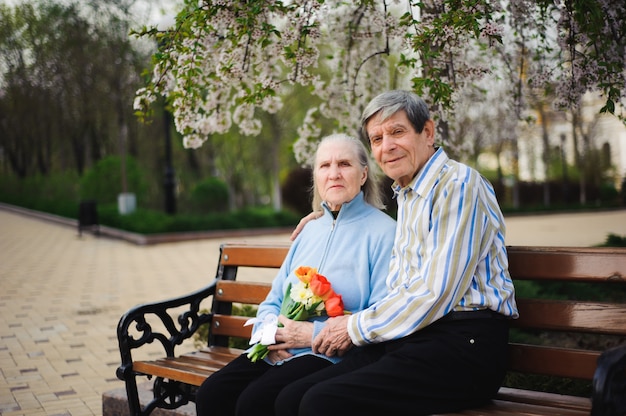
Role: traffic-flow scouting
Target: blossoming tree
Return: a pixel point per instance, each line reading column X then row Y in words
column 224, row 61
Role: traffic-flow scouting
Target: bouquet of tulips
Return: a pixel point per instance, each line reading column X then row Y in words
column 311, row 296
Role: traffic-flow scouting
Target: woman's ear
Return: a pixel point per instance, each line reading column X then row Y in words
column 364, row 177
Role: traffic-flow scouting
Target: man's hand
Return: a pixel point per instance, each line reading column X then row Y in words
column 334, row 338
column 312, row 216
column 293, row 334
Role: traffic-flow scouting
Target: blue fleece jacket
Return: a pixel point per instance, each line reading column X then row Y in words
column 352, row 251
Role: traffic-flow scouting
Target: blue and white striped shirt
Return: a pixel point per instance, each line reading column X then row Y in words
column 448, row 255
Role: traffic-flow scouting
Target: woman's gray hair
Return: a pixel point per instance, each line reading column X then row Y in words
column 389, row 103
column 371, row 188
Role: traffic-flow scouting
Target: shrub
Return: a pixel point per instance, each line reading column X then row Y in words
column 103, row 182
column 56, row 193
column 209, row 195
column 614, row 240
column 296, row 191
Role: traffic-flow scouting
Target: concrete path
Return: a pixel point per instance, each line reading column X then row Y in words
column 61, row 297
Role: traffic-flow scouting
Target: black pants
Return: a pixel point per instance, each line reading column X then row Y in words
column 246, row 388
column 448, row 366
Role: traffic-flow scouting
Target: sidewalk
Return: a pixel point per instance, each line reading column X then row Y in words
column 61, row 297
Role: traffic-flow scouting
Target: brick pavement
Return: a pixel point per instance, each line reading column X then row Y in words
column 61, row 297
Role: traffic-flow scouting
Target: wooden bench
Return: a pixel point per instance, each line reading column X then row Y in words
column 604, row 367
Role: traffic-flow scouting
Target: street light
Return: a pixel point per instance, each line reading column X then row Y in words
column 565, row 185
column 169, row 182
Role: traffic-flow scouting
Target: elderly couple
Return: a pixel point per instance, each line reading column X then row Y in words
column 428, row 297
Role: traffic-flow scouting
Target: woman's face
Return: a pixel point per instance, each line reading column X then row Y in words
column 338, row 175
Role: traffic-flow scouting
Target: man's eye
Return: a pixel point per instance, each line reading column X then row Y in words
column 375, row 139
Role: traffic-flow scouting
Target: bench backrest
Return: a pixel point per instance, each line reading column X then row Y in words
column 603, row 267
column 599, row 266
column 228, row 291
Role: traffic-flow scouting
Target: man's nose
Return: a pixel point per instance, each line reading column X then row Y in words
column 388, row 143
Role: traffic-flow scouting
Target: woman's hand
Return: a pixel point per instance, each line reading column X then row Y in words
column 293, row 334
column 278, row 355
column 312, row 216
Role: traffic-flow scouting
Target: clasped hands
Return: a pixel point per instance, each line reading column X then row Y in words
column 332, row 340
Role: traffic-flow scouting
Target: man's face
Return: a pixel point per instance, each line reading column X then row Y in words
column 398, row 149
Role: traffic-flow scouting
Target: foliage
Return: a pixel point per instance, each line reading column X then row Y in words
column 59, row 194
column 56, row 194
column 614, row 240
column 105, row 180
column 210, row 195
column 222, row 61
column 297, row 190
column 153, row 222
column 66, row 79
column 581, row 388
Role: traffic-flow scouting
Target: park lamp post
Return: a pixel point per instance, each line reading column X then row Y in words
column 169, row 181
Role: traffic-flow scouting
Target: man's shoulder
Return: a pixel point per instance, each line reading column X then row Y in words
column 455, row 170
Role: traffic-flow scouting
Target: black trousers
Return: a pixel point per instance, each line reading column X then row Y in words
column 246, row 388
column 448, row 366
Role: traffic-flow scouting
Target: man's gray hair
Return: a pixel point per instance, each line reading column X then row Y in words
column 389, row 103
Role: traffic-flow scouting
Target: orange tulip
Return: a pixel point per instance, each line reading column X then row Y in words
column 334, row 305
column 320, row 286
column 305, row 273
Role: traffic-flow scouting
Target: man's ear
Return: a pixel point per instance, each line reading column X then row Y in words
column 429, row 132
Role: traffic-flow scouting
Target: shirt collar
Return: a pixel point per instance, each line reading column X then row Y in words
column 424, row 180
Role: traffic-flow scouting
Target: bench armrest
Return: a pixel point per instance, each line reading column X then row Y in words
column 136, row 327
column 609, row 383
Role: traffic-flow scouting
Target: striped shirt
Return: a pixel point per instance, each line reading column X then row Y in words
column 448, row 255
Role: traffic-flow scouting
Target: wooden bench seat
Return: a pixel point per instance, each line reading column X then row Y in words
column 605, row 367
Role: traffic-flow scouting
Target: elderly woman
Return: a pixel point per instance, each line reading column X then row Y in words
column 350, row 245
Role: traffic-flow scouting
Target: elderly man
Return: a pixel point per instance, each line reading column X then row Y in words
column 437, row 342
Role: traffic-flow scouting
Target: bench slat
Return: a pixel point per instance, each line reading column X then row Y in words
column 253, row 256
column 192, row 368
column 567, row 263
column 544, row 399
column 241, row 292
column 562, row 362
column 574, row 316
column 506, row 408
column 170, row 369
column 231, row 326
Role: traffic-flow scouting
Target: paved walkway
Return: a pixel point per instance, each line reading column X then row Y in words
column 61, row 297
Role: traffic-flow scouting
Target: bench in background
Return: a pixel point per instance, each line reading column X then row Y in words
column 177, row 376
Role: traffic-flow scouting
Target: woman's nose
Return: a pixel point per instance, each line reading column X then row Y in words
column 334, row 172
